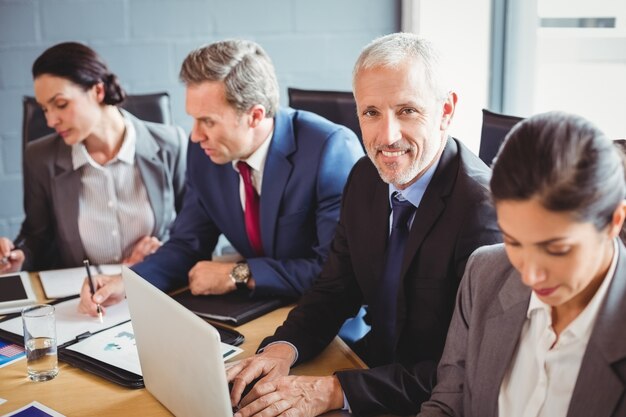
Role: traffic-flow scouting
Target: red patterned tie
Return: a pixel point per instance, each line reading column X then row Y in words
column 253, row 228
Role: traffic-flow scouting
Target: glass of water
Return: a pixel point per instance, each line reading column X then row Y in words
column 40, row 342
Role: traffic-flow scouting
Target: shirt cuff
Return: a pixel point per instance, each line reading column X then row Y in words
column 346, row 405
column 285, row 343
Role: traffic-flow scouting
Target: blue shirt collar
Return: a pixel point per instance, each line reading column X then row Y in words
column 415, row 192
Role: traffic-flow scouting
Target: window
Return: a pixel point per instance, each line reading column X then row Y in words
column 462, row 31
column 570, row 55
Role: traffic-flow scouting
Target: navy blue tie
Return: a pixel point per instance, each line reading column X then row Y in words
column 385, row 304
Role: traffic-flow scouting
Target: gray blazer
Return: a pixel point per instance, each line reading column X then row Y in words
column 490, row 312
column 49, row 235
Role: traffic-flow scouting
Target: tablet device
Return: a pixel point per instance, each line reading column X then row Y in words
column 15, row 292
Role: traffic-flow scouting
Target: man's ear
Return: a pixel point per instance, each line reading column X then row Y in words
column 449, row 105
column 256, row 115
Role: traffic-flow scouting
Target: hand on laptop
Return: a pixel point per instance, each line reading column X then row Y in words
column 272, row 363
column 304, row 396
column 211, row 278
column 109, row 291
column 11, row 259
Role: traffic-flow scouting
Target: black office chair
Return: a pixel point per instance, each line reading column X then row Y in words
column 495, row 128
column 337, row 106
column 150, row 107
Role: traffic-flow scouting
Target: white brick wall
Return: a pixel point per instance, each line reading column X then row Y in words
column 313, row 45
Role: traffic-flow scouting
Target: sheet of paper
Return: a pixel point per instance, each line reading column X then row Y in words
column 70, row 323
column 116, row 346
column 34, row 409
column 59, row 283
column 10, row 352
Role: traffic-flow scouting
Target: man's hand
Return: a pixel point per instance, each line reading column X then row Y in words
column 209, row 277
column 11, row 259
column 301, row 396
column 110, row 291
column 145, row 246
column 272, row 363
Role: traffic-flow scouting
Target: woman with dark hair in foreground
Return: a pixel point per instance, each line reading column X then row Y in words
column 538, row 328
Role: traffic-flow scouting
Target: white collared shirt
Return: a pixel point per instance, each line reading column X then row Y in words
column 256, row 162
column 540, row 379
column 113, row 207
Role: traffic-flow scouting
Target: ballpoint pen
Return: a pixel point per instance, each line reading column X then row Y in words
column 92, row 287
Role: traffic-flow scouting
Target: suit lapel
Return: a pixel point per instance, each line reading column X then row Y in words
column 149, row 166
column 600, row 384
column 430, row 208
column 598, row 388
column 499, row 342
column 66, row 185
column 377, row 233
column 234, row 224
column 433, row 202
column 276, row 173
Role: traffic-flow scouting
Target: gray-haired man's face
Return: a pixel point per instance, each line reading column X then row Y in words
column 402, row 122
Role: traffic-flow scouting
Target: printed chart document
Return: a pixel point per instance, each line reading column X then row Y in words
column 116, row 346
column 34, row 409
column 59, row 283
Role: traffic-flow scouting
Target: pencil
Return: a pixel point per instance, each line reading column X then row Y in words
column 92, row 287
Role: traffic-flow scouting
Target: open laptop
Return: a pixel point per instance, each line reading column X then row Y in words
column 180, row 354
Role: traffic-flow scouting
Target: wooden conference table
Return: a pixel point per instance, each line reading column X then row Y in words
column 78, row 393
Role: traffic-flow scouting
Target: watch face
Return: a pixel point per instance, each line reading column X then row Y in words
column 241, row 273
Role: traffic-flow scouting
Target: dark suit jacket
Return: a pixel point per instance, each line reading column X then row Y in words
column 307, row 164
column 455, row 217
column 485, row 330
column 51, row 190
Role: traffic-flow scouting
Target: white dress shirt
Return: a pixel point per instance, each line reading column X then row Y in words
column 541, row 377
column 256, row 162
column 114, row 211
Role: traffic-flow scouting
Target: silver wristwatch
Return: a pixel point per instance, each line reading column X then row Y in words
column 240, row 274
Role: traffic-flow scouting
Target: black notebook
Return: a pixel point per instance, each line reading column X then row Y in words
column 233, row 308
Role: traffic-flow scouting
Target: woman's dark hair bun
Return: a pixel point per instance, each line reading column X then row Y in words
column 113, row 92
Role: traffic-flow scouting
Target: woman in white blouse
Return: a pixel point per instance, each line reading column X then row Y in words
column 106, row 186
column 539, row 326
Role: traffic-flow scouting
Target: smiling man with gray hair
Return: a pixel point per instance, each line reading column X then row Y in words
column 411, row 215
